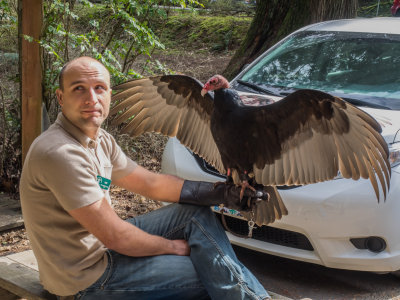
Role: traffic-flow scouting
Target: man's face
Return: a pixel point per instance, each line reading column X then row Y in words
column 86, row 97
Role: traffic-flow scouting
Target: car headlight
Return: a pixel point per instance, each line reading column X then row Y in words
column 394, row 154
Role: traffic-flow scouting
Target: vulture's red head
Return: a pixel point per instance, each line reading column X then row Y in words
column 215, row 83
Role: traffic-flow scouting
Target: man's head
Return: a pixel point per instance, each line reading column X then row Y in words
column 85, row 94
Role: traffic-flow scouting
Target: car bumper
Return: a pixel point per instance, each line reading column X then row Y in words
column 329, row 220
column 328, row 214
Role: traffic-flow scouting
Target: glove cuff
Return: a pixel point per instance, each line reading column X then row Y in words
column 200, row 193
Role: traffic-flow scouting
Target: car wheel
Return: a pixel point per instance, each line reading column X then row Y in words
column 397, row 14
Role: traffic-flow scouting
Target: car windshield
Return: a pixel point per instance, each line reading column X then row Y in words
column 362, row 67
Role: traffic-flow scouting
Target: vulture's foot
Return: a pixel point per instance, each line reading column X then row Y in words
column 245, row 185
column 258, row 189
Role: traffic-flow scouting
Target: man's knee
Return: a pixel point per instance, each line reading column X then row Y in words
column 197, row 210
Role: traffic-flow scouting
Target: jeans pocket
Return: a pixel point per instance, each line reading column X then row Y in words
column 102, row 281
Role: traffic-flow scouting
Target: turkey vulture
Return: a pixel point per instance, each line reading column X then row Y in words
column 306, row 137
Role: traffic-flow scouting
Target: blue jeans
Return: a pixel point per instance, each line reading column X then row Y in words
column 211, row 271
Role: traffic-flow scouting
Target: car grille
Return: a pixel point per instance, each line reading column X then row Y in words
column 269, row 234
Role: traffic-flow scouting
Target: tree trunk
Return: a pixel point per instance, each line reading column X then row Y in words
column 274, row 19
column 30, row 23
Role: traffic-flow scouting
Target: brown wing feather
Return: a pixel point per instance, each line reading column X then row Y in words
column 314, row 135
column 171, row 105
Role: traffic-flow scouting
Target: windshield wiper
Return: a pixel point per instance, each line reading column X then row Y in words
column 257, row 87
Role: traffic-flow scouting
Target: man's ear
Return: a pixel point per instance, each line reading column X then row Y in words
column 59, row 94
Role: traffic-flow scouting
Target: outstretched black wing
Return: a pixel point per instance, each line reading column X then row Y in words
column 309, row 136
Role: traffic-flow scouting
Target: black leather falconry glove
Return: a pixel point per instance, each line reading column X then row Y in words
column 209, row 194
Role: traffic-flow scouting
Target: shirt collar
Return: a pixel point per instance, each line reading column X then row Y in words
column 76, row 133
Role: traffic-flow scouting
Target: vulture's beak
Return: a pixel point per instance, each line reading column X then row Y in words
column 203, row 92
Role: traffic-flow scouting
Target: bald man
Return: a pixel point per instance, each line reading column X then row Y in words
column 83, row 249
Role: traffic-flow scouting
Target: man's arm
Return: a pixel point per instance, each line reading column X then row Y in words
column 161, row 187
column 169, row 188
column 101, row 220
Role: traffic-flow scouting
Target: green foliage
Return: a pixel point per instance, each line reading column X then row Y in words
column 220, row 33
column 6, row 11
column 370, row 8
column 232, row 6
column 8, row 25
column 9, row 102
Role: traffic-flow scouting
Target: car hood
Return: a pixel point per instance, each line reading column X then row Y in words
column 388, row 119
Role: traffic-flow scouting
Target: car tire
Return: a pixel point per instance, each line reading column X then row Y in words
column 397, row 14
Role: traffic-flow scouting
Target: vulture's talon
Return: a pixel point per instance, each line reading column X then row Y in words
column 245, row 184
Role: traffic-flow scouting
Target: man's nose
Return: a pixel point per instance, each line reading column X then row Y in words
column 92, row 96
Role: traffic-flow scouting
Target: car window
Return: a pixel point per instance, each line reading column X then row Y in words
column 291, row 65
column 337, row 62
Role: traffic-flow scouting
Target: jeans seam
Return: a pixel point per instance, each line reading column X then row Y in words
column 177, row 228
column 150, row 289
column 241, row 282
column 111, row 264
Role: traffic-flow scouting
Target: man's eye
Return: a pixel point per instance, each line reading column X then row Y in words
column 100, row 87
column 78, row 88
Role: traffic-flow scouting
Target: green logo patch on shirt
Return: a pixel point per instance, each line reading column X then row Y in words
column 104, row 182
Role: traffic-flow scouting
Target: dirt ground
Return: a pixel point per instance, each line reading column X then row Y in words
column 146, row 149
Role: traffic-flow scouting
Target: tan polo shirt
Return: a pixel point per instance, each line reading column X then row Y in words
column 64, row 170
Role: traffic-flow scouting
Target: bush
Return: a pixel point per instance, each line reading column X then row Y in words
column 369, row 8
column 233, row 6
column 218, row 33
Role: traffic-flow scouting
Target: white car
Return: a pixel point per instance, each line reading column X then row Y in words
column 338, row 223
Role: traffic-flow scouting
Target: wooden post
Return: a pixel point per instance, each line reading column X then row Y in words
column 30, row 23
